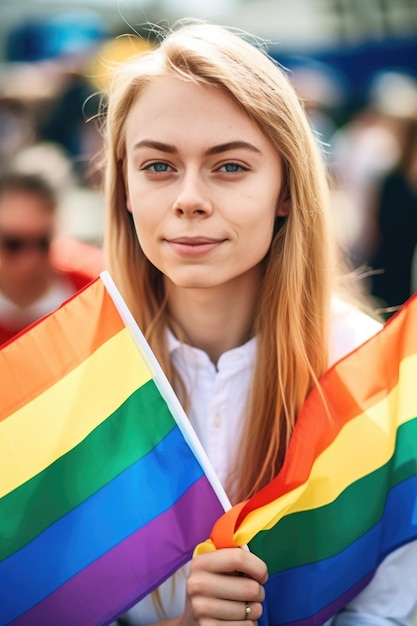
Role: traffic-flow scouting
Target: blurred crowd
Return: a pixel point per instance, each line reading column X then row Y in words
column 51, row 208
column 374, row 167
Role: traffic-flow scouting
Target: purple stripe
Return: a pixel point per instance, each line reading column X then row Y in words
column 325, row 614
column 120, row 578
column 330, row 611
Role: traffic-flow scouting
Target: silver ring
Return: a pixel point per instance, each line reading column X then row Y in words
column 247, row 610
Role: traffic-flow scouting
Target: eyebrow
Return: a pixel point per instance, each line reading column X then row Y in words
column 157, row 145
column 224, row 147
column 232, row 145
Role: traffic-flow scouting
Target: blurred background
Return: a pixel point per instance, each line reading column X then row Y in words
column 353, row 62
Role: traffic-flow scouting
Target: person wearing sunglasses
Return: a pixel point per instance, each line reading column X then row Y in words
column 31, row 283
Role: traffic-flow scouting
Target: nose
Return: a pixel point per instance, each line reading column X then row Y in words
column 192, row 197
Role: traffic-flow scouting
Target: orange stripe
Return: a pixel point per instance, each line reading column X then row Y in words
column 351, row 387
column 37, row 359
column 221, row 532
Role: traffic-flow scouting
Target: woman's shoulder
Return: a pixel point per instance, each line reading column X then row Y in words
column 349, row 328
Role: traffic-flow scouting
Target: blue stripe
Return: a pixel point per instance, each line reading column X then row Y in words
column 301, row 592
column 97, row 525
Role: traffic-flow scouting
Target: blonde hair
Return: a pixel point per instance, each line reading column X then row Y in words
column 291, row 321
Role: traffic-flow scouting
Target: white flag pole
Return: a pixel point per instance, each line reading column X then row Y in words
column 165, row 389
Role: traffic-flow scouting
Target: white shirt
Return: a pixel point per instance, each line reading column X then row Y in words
column 218, row 402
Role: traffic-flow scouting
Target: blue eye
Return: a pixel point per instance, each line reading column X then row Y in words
column 231, row 168
column 158, row 167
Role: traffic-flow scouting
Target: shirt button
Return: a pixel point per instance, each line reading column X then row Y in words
column 217, row 420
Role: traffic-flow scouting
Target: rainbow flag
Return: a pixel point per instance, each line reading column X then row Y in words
column 347, row 494
column 104, row 488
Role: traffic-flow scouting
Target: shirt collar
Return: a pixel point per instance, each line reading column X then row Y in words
column 242, row 354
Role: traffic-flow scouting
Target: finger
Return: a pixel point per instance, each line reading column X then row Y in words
column 236, row 588
column 232, row 560
column 227, row 610
column 253, row 611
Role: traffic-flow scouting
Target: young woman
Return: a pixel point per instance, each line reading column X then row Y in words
column 218, row 237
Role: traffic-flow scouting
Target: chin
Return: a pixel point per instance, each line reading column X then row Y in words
column 193, row 283
column 192, row 280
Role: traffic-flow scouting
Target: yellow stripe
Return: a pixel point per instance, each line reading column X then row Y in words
column 61, row 417
column 364, row 444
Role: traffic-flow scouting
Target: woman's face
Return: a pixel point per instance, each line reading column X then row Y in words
column 203, row 184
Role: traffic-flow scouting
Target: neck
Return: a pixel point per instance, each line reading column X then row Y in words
column 216, row 319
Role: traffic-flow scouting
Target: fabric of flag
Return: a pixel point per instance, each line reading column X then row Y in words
column 346, row 495
column 102, row 497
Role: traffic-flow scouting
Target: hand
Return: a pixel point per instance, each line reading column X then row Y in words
column 222, row 584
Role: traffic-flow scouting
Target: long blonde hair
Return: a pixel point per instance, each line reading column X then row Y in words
column 291, row 320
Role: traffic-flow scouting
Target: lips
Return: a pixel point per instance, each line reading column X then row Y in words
column 194, row 246
column 194, row 241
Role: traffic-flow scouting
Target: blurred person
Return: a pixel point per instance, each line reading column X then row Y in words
column 73, row 37
column 45, row 61
column 33, row 282
column 363, row 151
column 65, row 123
column 26, row 92
column 219, row 239
column 80, row 207
column 396, row 223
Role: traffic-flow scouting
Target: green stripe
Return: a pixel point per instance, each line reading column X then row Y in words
column 123, row 438
column 309, row 536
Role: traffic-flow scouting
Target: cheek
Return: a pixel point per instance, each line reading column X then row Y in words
column 141, row 228
column 127, row 193
column 260, row 232
column 259, row 220
column 257, row 242
column 142, row 202
column 131, row 188
column 145, row 232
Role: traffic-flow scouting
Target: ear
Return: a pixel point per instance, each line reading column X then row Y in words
column 283, row 208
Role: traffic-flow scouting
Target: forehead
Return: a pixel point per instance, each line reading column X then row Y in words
column 24, row 210
column 173, row 109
